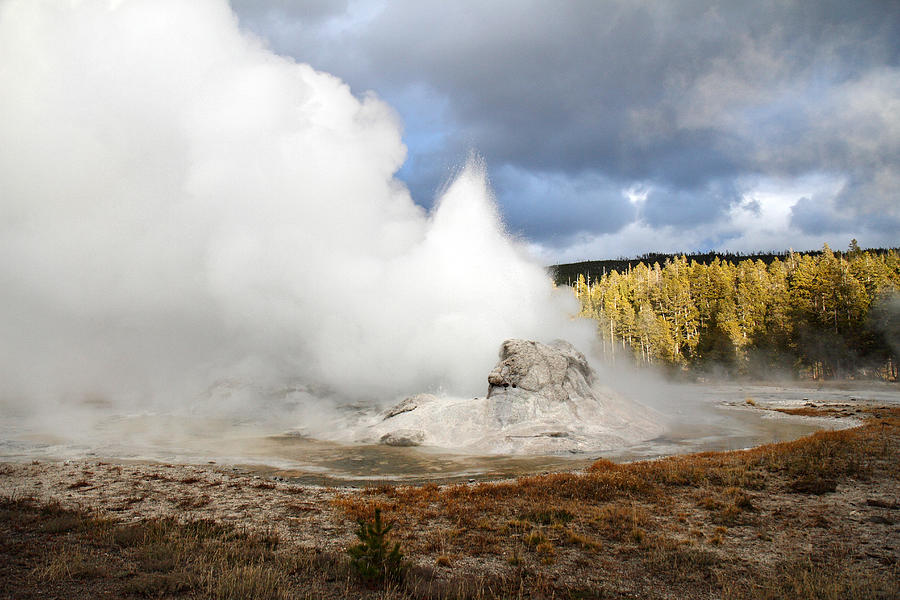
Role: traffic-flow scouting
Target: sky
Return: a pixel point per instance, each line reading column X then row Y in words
column 614, row 128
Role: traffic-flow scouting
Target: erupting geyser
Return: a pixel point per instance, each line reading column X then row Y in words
column 181, row 210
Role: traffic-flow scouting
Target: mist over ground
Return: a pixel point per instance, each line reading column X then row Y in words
column 181, row 210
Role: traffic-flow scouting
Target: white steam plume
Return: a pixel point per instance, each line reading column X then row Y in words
column 179, row 205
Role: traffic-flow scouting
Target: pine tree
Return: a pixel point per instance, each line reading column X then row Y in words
column 372, row 558
column 815, row 311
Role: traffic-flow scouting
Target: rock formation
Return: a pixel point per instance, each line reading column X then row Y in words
column 541, row 399
column 558, row 372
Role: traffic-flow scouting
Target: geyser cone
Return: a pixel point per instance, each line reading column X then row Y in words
column 541, row 399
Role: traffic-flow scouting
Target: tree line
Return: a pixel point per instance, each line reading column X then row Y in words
column 819, row 314
column 567, row 274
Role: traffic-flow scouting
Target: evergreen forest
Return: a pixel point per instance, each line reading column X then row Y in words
column 818, row 315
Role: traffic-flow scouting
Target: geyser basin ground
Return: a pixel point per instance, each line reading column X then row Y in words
column 735, row 525
column 706, row 417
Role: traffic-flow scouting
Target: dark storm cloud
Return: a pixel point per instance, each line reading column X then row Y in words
column 680, row 97
column 554, row 207
column 814, row 216
column 689, row 206
column 844, row 212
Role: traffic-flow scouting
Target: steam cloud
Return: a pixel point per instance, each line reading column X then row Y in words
column 180, row 206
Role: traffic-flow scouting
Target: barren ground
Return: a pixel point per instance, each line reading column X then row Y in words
column 815, row 518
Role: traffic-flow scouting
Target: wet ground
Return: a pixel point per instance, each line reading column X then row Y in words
column 701, row 417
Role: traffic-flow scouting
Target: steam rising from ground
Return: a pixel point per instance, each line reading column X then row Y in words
column 181, row 207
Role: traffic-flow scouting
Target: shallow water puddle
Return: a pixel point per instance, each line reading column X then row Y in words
column 702, row 418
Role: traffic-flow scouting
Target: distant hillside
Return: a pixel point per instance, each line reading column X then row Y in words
column 567, row 274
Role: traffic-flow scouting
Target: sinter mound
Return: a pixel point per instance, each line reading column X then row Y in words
column 540, row 399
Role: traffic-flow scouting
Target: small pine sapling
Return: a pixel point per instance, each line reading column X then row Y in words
column 373, row 559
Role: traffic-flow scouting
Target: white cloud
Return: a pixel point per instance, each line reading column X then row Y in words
column 762, row 221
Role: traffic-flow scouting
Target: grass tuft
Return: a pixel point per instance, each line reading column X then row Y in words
column 813, row 484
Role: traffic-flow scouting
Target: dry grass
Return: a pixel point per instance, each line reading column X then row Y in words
column 826, row 576
column 189, row 502
column 672, row 520
column 248, row 581
column 165, row 557
column 761, row 523
column 159, row 556
column 67, row 562
column 812, row 411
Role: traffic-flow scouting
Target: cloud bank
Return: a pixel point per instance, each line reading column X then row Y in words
column 705, row 106
column 180, row 206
